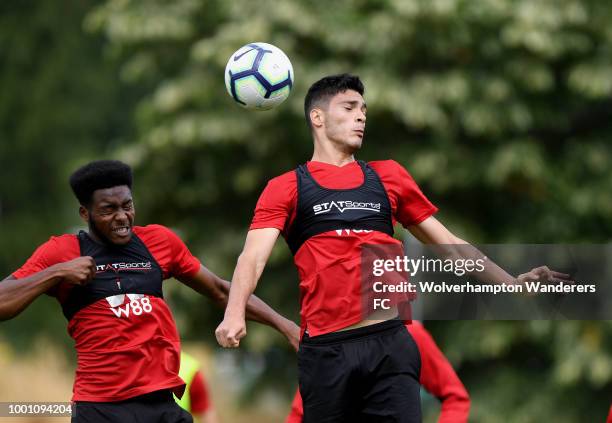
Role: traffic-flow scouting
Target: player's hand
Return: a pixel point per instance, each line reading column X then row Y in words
column 544, row 275
column 78, row 271
column 292, row 332
column 230, row 332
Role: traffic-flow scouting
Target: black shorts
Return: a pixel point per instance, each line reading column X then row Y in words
column 369, row 374
column 156, row 407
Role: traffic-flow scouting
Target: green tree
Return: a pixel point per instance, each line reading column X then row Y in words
column 61, row 105
column 500, row 109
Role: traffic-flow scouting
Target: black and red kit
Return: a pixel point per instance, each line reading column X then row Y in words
column 125, row 336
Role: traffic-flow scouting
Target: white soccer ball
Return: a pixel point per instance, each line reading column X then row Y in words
column 259, row 76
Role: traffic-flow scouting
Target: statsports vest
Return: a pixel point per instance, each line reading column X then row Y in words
column 125, row 337
column 126, row 270
column 320, row 209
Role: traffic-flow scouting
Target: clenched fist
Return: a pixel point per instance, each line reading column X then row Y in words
column 230, row 332
column 78, row 271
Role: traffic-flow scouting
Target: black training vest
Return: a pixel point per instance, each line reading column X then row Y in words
column 322, row 209
column 121, row 269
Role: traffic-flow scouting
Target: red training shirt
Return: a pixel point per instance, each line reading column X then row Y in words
column 329, row 263
column 121, row 354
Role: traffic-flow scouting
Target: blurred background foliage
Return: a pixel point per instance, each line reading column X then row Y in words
column 500, row 109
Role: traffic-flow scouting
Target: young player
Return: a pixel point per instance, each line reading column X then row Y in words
column 108, row 282
column 351, row 368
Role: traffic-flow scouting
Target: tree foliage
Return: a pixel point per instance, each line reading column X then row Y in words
column 500, row 109
column 59, row 107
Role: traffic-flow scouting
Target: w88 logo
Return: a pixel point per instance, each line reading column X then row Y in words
column 137, row 304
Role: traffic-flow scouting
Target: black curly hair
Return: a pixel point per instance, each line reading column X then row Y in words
column 99, row 174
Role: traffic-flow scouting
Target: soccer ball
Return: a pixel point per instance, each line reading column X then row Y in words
column 259, row 76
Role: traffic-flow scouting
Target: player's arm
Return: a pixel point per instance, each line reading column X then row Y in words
column 439, row 378
column 17, row 294
column 432, row 231
column 207, row 283
column 296, row 415
column 202, row 409
column 251, row 263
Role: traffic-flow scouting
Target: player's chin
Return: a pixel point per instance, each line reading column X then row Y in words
column 355, row 142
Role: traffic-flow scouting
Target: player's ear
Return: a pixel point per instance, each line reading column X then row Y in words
column 317, row 117
column 84, row 213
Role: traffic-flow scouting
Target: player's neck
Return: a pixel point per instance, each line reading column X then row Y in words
column 95, row 237
column 327, row 153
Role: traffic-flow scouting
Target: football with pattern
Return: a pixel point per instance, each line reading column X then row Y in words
column 259, row 76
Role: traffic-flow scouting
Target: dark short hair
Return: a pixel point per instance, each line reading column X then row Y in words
column 99, row 174
column 324, row 89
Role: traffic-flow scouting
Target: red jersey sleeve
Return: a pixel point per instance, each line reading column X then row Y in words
column 276, row 205
column 439, row 378
column 183, row 262
column 297, row 409
column 198, row 391
column 57, row 249
column 410, row 206
column 169, row 251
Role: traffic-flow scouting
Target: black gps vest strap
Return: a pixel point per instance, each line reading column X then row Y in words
column 320, row 209
column 120, row 269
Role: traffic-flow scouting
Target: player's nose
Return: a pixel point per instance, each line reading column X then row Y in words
column 121, row 216
column 361, row 117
